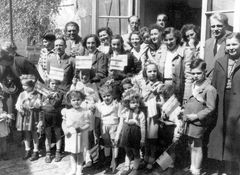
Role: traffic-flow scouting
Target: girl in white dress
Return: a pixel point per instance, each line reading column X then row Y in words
column 76, row 122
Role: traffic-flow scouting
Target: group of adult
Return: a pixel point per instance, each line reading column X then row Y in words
column 171, row 49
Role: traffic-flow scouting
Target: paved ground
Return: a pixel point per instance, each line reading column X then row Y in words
column 16, row 166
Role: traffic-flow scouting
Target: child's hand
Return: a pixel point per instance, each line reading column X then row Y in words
column 132, row 121
column 68, row 134
column 92, row 108
column 191, row 117
column 78, row 130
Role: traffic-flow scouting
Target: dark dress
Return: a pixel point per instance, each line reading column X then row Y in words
column 131, row 136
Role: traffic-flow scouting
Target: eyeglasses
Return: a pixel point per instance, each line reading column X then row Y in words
column 218, row 26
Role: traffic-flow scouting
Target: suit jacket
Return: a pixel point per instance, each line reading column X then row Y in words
column 209, row 55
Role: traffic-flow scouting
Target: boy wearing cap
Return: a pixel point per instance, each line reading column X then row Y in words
column 29, row 119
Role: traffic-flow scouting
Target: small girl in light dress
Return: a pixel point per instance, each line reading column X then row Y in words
column 76, row 122
column 4, row 129
column 131, row 129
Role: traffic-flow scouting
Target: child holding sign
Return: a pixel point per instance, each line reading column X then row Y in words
column 52, row 105
column 128, row 64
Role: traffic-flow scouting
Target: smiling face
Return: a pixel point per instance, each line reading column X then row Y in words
column 91, row 44
column 155, row 36
column 104, row 37
column 217, row 28
column 135, row 40
column 161, row 20
column 233, row 47
column 59, row 46
column 151, row 72
column 72, row 32
column 171, row 41
column 107, row 98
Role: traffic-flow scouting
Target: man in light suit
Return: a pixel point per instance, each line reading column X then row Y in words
column 215, row 46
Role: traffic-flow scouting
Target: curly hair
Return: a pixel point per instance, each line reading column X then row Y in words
column 84, row 43
column 106, row 89
column 131, row 95
column 76, row 94
column 187, row 27
column 107, row 29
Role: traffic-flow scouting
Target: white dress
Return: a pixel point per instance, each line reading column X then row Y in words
column 72, row 119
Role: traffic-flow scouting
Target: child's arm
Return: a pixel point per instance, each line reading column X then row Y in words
column 211, row 96
column 64, row 126
column 19, row 103
column 119, row 129
column 142, row 127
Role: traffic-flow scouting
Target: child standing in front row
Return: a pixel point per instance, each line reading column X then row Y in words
column 107, row 111
column 150, row 88
column 132, row 127
column 198, row 108
column 29, row 119
column 52, row 105
column 76, row 122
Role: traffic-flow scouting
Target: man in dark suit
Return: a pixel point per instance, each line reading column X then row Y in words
column 215, row 46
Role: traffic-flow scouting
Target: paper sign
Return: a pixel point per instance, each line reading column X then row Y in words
column 56, row 73
column 118, row 62
column 42, row 89
column 83, row 62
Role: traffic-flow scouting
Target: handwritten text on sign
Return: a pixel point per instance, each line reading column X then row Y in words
column 56, row 73
column 83, row 62
column 118, row 62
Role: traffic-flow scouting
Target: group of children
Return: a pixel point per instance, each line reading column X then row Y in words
column 148, row 109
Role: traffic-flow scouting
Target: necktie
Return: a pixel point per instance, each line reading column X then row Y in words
column 215, row 48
